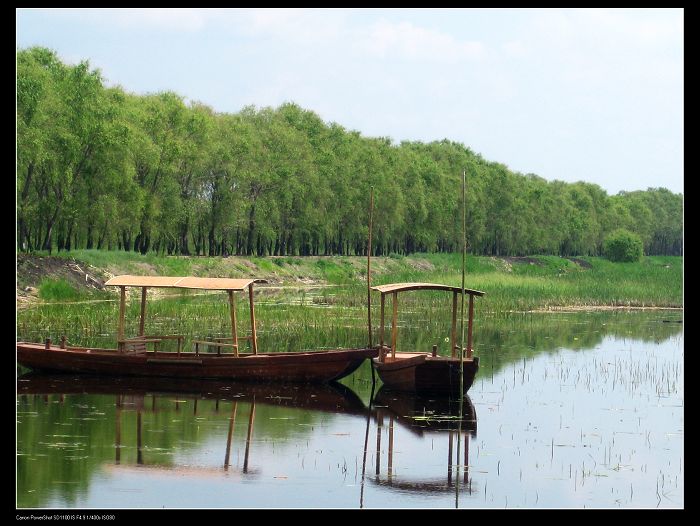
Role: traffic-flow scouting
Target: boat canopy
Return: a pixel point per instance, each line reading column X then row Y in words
column 186, row 282
column 403, row 287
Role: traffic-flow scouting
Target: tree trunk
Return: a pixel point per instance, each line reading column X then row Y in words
column 251, row 230
column 184, row 235
column 89, row 236
column 49, row 229
column 69, row 235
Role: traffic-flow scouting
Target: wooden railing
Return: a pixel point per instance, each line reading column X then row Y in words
column 139, row 343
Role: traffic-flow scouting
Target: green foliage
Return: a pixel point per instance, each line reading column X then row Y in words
column 58, row 290
column 334, row 272
column 623, row 245
column 98, row 168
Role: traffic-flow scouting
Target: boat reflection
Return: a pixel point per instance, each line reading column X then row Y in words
column 154, row 395
column 423, row 417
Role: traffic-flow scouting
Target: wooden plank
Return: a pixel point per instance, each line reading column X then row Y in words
column 214, row 344
column 404, row 287
column 253, row 334
column 175, row 361
column 182, row 282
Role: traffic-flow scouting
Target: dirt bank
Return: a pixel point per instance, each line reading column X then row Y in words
column 32, row 270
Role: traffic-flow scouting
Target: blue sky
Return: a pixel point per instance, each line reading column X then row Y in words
column 590, row 95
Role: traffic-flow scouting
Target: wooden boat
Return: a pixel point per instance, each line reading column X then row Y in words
column 425, row 372
column 132, row 358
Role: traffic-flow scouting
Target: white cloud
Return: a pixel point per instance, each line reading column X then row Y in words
column 405, row 40
column 514, row 48
column 170, row 19
column 315, row 26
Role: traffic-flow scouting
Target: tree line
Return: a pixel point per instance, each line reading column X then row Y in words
column 98, row 167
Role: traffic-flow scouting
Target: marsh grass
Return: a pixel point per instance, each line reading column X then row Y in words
column 511, row 284
column 58, row 290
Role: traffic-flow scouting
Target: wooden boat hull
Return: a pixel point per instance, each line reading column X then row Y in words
column 423, row 373
column 306, row 367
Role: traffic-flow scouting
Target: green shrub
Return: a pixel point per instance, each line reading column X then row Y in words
column 623, row 245
column 57, row 290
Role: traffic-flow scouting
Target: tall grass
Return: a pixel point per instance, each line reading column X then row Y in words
column 539, row 282
column 58, row 290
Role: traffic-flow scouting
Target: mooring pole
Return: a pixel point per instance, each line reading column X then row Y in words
column 369, row 277
column 464, row 265
column 369, row 257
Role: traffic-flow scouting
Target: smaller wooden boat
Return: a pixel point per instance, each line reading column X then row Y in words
column 426, row 372
column 132, row 358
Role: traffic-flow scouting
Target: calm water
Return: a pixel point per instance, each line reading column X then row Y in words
column 568, row 411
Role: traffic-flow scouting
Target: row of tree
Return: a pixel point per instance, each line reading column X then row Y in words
column 98, row 167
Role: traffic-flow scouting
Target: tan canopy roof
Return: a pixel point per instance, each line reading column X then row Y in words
column 403, row 287
column 186, row 282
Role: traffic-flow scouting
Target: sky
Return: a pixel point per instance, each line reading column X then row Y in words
column 591, row 95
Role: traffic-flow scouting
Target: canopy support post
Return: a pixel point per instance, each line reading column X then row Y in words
column 122, row 309
column 234, row 330
column 469, row 326
column 453, row 330
column 381, row 329
column 143, row 311
column 253, row 334
column 394, row 323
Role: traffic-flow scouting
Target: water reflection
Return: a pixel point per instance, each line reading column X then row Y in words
column 439, row 418
column 157, row 416
column 576, row 410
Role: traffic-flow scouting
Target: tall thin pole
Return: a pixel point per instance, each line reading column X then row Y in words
column 461, row 346
column 464, row 265
column 369, row 256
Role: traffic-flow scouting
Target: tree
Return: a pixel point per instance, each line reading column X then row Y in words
column 623, row 245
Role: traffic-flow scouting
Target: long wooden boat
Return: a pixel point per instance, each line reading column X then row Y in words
column 133, row 358
column 426, row 372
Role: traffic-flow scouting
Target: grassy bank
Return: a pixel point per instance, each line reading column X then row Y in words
column 511, row 284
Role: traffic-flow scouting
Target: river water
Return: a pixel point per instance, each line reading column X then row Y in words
column 569, row 410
